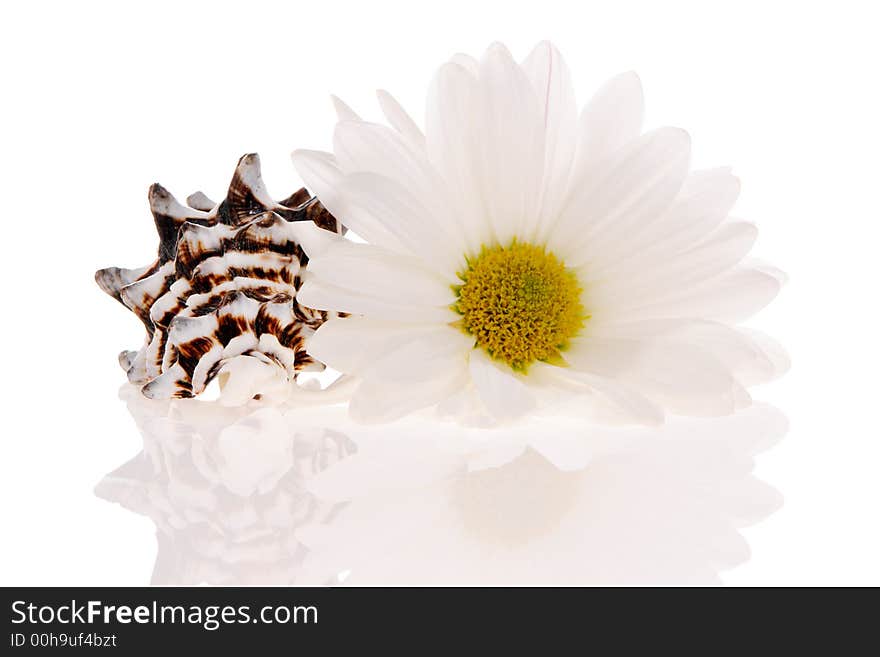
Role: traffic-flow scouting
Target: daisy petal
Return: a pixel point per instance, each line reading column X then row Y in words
column 468, row 63
column 513, row 144
column 400, row 120
column 455, row 122
column 728, row 246
column 324, row 296
column 644, row 284
column 311, row 238
column 386, row 401
column 750, row 356
column 706, row 198
column 398, row 211
column 634, row 406
column 343, row 111
column 551, row 80
column 680, row 376
column 321, row 173
column 732, row 297
column 375, row 148
column 384, row 274
column 703, row 202
column 349, row 344
column 421, row 356
column 773, row 351
column 611, row 119
column 631, row 406
column 505, row 396
column 641, row 182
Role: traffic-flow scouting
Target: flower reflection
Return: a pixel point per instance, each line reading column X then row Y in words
column 302, row 495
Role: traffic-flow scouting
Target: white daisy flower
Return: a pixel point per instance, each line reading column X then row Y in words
column 517, row 250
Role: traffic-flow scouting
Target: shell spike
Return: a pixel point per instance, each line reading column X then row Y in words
column 113, row 279
column 297, row 200
column 198, row 201
column 247, row 194
column 169, row 215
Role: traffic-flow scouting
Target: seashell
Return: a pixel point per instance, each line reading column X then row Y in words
column 220, row 298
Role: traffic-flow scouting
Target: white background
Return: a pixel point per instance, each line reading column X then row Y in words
column 101, row 99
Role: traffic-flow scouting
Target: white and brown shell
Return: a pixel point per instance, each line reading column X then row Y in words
column 223, row 286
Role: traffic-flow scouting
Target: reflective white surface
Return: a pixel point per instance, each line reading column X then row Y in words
column 87, row 132
column 302, row 495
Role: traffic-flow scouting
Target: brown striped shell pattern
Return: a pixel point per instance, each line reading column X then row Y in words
column 220, row 299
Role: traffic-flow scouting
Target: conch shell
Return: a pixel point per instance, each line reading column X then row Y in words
column 220, row 299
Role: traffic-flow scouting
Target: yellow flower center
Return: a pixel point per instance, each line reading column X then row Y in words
column 520, row 303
